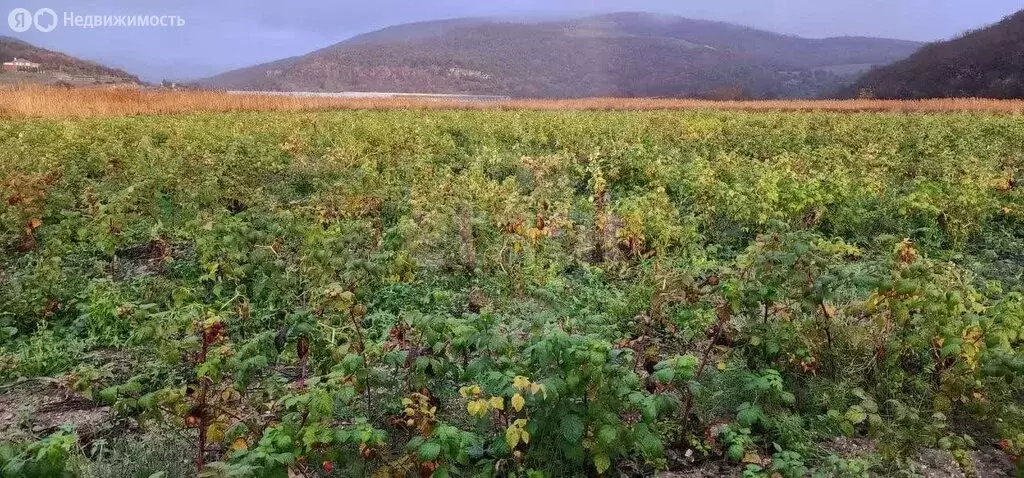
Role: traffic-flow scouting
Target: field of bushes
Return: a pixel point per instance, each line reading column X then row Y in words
column 512, row 293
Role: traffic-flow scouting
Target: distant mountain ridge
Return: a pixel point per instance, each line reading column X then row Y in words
column 619, row 54
column 985, row 63
column 56, row 62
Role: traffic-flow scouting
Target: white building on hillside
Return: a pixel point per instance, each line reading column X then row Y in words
column 20, row 64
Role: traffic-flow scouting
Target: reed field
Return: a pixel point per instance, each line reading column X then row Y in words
column 201, row 283
column 52, row 102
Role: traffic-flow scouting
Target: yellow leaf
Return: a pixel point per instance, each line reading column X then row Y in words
column 477, row 407
column 239, row 444
column 602, row 462
column 512, row 437
column 525, row 436
column 466, row 392
column 721, row 365
column 518, row 402
column 521, row 383
column 497, row 403
column 214, row 433
column 973, row 334
column 539, row 387
column 751, row 457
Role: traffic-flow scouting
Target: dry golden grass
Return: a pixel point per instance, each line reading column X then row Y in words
column 36, row 101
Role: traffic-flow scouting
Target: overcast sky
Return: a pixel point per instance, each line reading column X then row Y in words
column 224, row 34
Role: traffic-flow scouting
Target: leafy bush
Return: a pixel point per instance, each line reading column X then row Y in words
column 499, row 293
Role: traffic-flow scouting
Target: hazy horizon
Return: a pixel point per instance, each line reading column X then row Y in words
column 234, row 33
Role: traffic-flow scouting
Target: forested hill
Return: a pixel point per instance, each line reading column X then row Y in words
column 52, row 61
column 622, row 54
column 985, row 63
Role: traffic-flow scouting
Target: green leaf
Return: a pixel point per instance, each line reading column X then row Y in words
column 645, row 440
column 748, row 414
column 500, row 447
column 352, row 362
column 735, row 452
column 860, row 393
column 952, row 347
column 109, row 394
column 415, row 442
column 607, row 434
column 665, row 375
column 572, row 428
column 649, row 408
column 602, row 463
column 342, row 436
column 856, row 414
column 430, row 450
column 847, row 428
